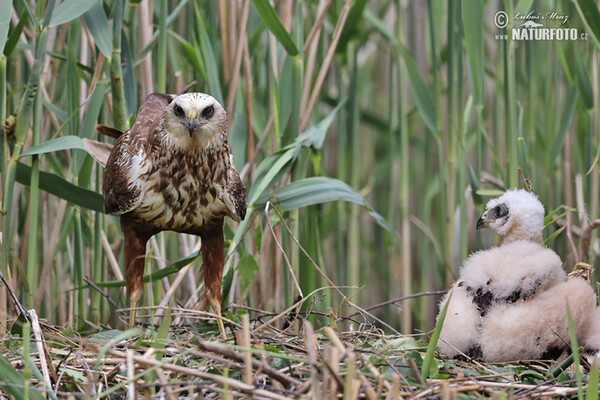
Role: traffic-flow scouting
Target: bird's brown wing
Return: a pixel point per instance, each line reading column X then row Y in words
column 121, row 191
column 236, row 193
column 100, row 151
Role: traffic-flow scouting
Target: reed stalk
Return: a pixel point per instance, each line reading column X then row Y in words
column 161, row 70
column 116, row 73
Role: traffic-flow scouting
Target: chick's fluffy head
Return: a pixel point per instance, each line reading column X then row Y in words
column 517, row 213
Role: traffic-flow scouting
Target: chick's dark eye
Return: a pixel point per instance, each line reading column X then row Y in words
column 208, row 112
column 178, row 110
column 501, row 211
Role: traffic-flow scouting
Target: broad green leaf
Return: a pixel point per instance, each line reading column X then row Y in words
column 13, row 39
column 550, row 238
column 76, row 376
column 191, row 53
column 315, row 135
column 60, row 114
column 490, row 192
column 550, row 219
column 352, row 25
column 163, row 332
column 379, row 26
column 318, row 190
column 128, row 334
column 593, row 389
column 565, row 121
column 208, row 58
column 88, row 127
column 271, row 20
column 474, row 33
column 583, row 80
column 59, row 187
column 522, row 153
column 588, row 10
column 247, row 268
column 96, row 21
column 421, row 93
column 6, row 6
column 523, row 6
column 61, row 143
column 272, row 167
column 167, row 271
column 68, row 10
column 103, row 336
column 238, row 134
column 575, row 350
column 268, row 171
column 426, row 368
column 127, row 65
column 170, row 19
column 12, row 382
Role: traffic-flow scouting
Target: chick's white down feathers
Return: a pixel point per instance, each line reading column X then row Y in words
column 510, row 301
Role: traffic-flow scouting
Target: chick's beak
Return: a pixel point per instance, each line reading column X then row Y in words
column 483, row 221
column 192, row 122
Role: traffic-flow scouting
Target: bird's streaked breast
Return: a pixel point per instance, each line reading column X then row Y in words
column 184, row 192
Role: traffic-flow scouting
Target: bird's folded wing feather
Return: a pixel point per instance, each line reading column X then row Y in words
column 122, row 193
column 236, row 194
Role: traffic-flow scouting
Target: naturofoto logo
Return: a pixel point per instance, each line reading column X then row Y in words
column 536, row 25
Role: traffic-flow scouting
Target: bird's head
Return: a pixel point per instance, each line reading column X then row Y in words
column 516, row 215
column 196, row 119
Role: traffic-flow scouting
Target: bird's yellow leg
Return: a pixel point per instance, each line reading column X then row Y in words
column 216, row 305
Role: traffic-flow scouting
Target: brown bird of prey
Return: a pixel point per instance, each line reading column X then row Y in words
column 173, row 171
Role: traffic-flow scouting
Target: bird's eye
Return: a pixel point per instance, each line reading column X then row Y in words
column 178, row 110
column 501, row 210
column 208, row 112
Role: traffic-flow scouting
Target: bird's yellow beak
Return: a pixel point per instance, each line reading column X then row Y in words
column 192, row 122
column 483, row 221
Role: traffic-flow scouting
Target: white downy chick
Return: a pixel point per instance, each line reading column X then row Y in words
column 506, row 274
column 521, row 265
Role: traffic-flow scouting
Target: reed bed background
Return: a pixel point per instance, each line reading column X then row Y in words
column 369, row 135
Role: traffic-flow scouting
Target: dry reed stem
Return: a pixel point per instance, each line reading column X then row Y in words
column 248, row 101
column 144, row 32
column 322, row 9
column 247, row 354
column 37, row 333
column 237, row 61
column 325, row 65
column 112, row 260
column 222, row 14
column 311, row 347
